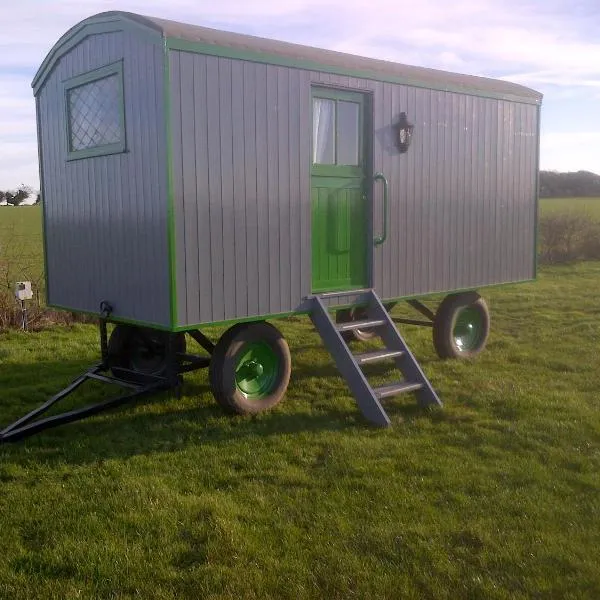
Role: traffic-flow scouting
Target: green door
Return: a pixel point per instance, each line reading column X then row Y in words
column 338, row 193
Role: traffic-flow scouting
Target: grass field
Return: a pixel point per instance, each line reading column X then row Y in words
column 21, row 253
column 589, row 206
column 496, row 496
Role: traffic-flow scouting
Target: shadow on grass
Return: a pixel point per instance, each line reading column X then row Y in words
column 128, row 431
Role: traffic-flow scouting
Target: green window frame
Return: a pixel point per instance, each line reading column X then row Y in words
column 336, row 168
column 71, row 86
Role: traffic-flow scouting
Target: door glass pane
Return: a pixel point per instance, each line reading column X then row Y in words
column 348, row 133
column 323, row 131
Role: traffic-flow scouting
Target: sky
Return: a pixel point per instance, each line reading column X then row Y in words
column 552, row 46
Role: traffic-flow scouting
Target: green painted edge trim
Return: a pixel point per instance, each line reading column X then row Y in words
column 123, row 320
column 96, row 151
column 284, row 61
column 115, row 68
column 459, row 290
column 282, row 315
column 41, row 169
column 107, row 70
column 336, row 307
column 336, row 94
column 537, row 196
column 78, row 33
column 170, row 193
column 438, row 293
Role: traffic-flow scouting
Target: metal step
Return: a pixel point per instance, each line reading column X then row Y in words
column 379, row 355
column 402, row 387
column 366, row 324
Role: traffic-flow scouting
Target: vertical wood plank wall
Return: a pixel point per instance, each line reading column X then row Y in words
column 106, row 217
column 462, row 199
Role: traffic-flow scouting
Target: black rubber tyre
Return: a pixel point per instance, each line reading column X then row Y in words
column 462, row 326
column 140, row 349
column 250, row 368
column 358, row 313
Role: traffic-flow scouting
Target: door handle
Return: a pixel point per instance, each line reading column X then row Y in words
column 378, row 240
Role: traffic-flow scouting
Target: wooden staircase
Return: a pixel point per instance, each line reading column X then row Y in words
column 350, row 365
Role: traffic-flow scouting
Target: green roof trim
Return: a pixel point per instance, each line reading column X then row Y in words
column 41, row 170
column 103, row 23
column 170, row 192
column 309, row 65
column 203, row 40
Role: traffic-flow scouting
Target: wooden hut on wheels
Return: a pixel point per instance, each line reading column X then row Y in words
column 193, row 176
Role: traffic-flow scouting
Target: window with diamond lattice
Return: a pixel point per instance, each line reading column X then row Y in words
column 95, row 113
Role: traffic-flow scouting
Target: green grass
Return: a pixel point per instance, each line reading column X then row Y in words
column 21, row 248
column 495, row 496
column 589, row 206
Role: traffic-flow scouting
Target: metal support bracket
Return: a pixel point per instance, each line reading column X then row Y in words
column 137, row 385
column 27, row 425
column 420, row 307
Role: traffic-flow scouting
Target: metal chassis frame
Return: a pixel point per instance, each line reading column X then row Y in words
column 177, row 364
column 424, row 310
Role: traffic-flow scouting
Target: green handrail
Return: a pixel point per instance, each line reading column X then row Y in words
column 381, row 238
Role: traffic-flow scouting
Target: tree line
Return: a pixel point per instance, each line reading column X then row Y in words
column 569, row 185
column 18, row 196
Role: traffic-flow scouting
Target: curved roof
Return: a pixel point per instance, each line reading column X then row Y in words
column 199, row 39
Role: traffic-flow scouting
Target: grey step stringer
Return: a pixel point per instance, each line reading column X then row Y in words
column 349, row 364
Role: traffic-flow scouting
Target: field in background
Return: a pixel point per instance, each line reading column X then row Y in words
column 588, row 206
column 21, row 259
column 21, row 247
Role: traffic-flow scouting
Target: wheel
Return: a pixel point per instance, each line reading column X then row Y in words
column 140, row 349
column 250, row 368
column 461, row 326
column 357, row 313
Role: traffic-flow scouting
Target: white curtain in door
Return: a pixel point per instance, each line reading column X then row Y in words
column 323, row 124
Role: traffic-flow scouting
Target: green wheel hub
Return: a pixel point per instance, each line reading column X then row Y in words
column 257, row 370
column 469, row 329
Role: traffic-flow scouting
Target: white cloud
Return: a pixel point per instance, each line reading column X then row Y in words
column 571, row 151
column 547, row 44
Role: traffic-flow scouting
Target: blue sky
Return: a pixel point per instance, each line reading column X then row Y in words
column 550, row 45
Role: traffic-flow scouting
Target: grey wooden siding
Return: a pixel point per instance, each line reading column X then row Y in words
column 106, row 229
column 241, row 187
column 463, row 209
column 462, row 199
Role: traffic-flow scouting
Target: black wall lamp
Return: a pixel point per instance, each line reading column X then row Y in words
column 404, row 132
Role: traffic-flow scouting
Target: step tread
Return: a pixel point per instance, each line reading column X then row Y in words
column 371, row 357
column 402, row 387
column 356, row 292
column 365, row 324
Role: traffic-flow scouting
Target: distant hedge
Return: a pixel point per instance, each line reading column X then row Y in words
column 566, row 237
column 569, row 185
